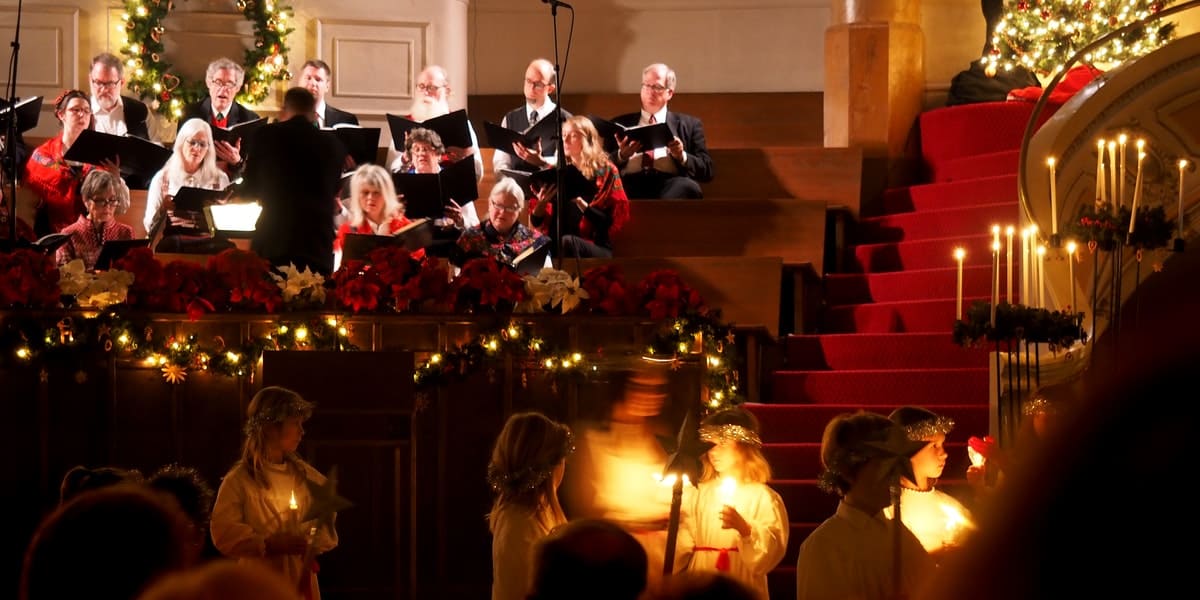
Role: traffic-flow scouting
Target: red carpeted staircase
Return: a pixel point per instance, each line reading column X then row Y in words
column 886, row 334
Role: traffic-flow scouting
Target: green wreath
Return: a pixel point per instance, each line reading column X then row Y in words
column 150, row 77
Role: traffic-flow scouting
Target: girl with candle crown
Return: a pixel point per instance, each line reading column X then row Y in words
column 739, row 524
column 937, row 519
column 251, row 519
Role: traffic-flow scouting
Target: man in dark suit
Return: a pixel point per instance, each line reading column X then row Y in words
column 675, row 171
column 540, row 83
column 315, row 77
column 224, row 79
column 294, row 173
column 112, row 112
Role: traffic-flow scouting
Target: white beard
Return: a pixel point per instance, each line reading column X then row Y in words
column 423, row 111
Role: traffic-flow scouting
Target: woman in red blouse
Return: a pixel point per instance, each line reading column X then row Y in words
column 105, row 196
column 374, row 208
column 586, row 223
column 55, row 181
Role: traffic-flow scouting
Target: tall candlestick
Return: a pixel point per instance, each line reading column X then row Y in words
column 1053, row 198
column 959, row 255
column 1102, row 197
column 1041, row 254
column 1112, row 174
column 995, row 278
column 1009, row 232
column 1137, row 188
column 1121, row 139
column 1071, row 274
column 1100, row 171
column 1183, row 163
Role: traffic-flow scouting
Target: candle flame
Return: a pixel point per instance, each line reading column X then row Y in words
column 728, row 489
column 995, row 246
column 1141, row 155
column 1112, row 145
column 292, row 502
column 995, row 230
column 1041, row 250
column 1100, row 143
column 977, row 459
column 1050, row 162
column 1183, row 163
column 1071, row 248
column 1122, row 138
column 1141, row 144
column 954, row 518
column 1010, row 230
column 960, row 253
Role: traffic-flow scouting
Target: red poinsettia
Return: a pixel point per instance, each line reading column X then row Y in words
column 28, row 279
column 608, row 293
column 483, row 283
column 146, row 290
column 664, row 294
column 357, row 286
column 189, row 288
column 247, row 280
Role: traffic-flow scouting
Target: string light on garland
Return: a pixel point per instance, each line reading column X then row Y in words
column 150, row 76
column 1042, row 36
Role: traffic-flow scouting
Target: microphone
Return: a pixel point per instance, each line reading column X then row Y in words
column 555, row 3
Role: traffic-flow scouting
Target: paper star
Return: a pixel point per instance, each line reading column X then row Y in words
column 325, row 499
column 686, row 449
column 896, row 451
column 174, row 374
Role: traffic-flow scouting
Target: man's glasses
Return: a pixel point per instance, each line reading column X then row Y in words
column 105, row 201
column 197, row 143
column 106, row 84
column 225, row 85
column 657, row 89
column 429, row 88
column 537, row 85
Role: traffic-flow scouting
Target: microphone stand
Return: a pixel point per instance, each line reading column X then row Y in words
column 558, row 132
column 8, row 160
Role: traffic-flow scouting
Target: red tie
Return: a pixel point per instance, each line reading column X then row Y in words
column 648, row 156
column 220, row 120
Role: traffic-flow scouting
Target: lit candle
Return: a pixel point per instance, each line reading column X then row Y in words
column 1183, row 163
column 727, row 490
column 1071, row 273
column 1009, row 232
column 1121, row 139
column 294, row 509
column 1025, row 265
column 959, row 255
column 995, row 278
column 1100, row 171
column 995, row 234
column 1137, row 187
column 1112, row 174
column 1053, row 198
column 1041, row 253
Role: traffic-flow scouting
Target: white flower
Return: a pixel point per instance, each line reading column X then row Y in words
column 98, row 290
column 302, row 285
column 73, row 278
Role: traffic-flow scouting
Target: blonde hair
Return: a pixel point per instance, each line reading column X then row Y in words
column 754, row 465
column 377, row 177
column 592, row 157
column 208, row 174
column 521, row 473
column 269, row 407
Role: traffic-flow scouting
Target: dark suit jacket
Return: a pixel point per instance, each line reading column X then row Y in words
column 334, row 116
column 135, row 117
column 294, row 173
column 687, row 128
column 203, row 110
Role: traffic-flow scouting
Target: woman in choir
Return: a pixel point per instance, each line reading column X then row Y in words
column 501, row 236
column 527, row 466
column 423, row 153
column 52, row 178
column 192, row 164
column 586, row 224
column 262, row 500
column 937, row 519
column 374, row 208
column 104, row 197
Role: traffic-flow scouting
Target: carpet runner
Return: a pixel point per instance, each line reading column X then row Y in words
column 886, row 332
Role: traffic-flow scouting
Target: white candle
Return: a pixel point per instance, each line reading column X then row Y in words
column 1053, row 198
column 294, row 510
column 995, row 278
column 1121, row 139
column 1071, row 273
column 959, row 255
column 1137, row 188
column 1183, row 163
column 1041, row 253
column 1100, row 171
column 1025, row 265
column 1112, row 174
column 1009, row 232
column 1102, row 197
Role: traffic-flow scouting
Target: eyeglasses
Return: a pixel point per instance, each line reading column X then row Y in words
column 105, row 201
column 507, row 209
column 106, row 84
column 537, row 85
column 657, row 89
column 80, row 110
column 227, row 85
column 197, row 143
column 429, row 89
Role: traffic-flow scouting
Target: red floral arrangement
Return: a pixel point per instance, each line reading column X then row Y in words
column 147, row 286
column 483, row 283
column 180, row 286
column 664, row 294
column 28, row 279
column 390, row 278
column 246, row 277
column 357, row 286
column 608, row 293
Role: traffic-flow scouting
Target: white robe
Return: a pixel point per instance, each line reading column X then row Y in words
column 750, row 557
column 925, row 514
column 516, row 534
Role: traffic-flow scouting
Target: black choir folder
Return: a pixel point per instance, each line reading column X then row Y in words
column 574, row 184
column 413, row 237
column 533, row 259
column 361, row 143
column 28, row 111
column 452, row 127
column 426, row 195
column 113, row 250
column 136, row 156
column 655, row 135
column 502, row 138
column 244, row 130
column 190, row 203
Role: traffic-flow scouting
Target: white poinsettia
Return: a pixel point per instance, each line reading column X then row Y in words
column 555, row 288
column 94, row 290
column 300, row 286
column 73, row 277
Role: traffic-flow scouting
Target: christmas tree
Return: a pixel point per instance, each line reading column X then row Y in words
column 1042, row 36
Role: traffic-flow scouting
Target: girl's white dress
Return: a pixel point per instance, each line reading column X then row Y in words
column 750, row 558
column 935, row 517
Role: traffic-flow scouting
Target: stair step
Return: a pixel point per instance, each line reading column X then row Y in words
column 805, row 501
column 794, row 422
column 802, row 460
column 880, row 351
column 937, row 223
column 982, row 128
column 920, row 254
column 1005, row 162
column 914, row 316
column 912, row 284
column 956, row 194
column 926, row 387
